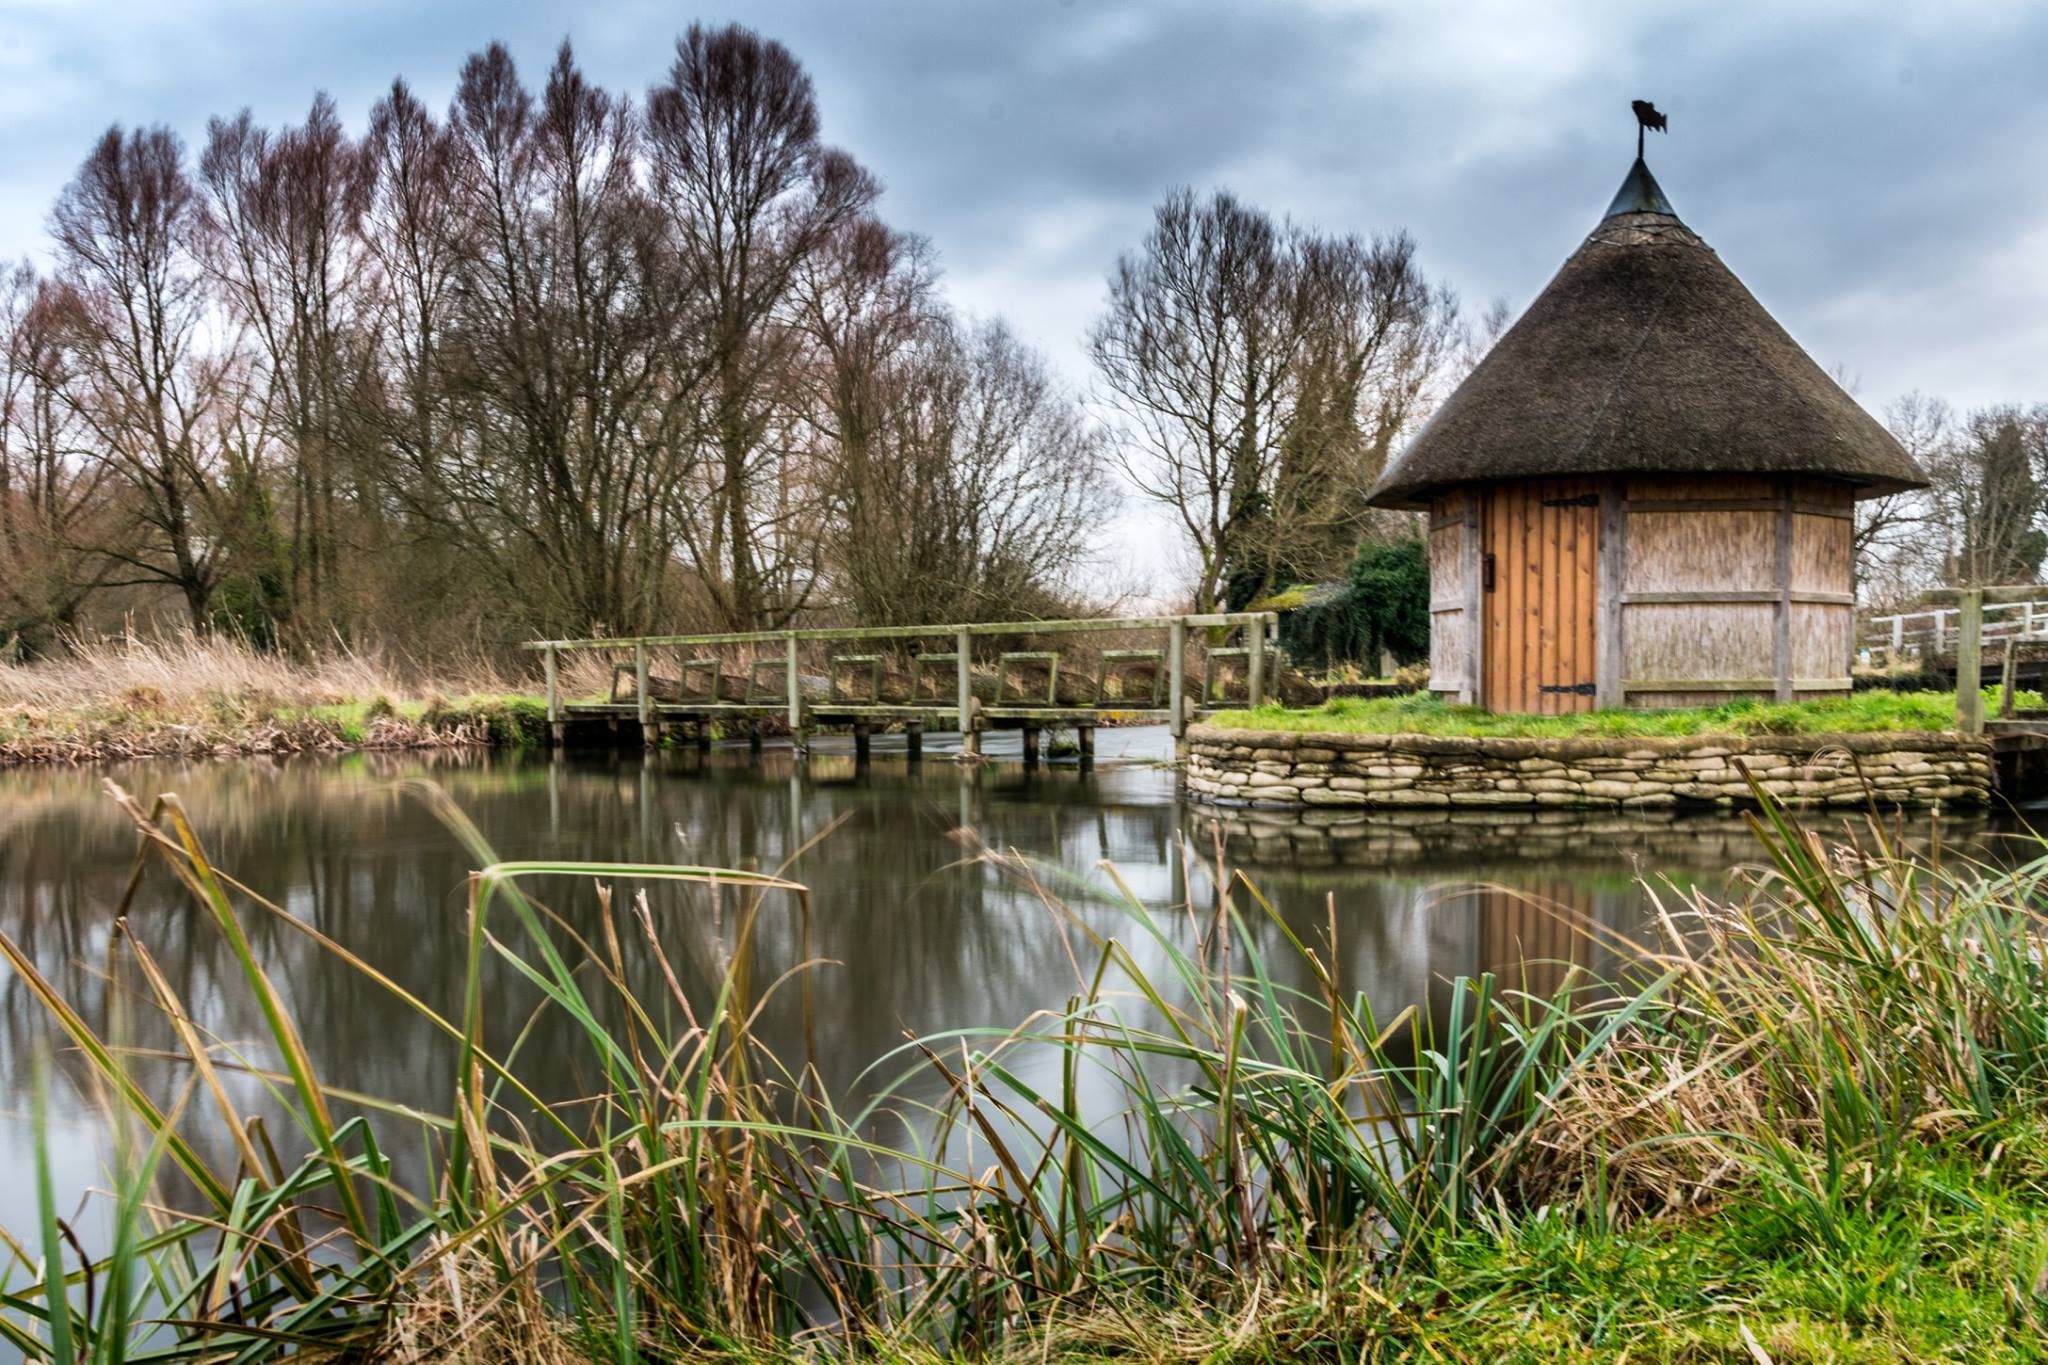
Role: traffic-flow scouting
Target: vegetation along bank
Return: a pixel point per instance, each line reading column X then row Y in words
column 1420, row 752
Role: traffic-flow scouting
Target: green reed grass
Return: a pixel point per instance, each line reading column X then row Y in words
column 1274, row 1158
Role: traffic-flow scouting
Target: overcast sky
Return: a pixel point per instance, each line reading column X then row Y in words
column 1876, row 173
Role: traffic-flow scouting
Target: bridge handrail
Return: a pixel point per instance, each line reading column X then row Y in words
column 2026, row 620
column 963, row 633
column 1063, row 626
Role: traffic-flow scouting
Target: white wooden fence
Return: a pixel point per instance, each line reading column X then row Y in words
column 1927, row 636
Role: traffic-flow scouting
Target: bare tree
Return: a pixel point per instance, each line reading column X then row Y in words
column 748, row 193
column 287, row 262
column 125, row 232
column 1987, row 483
column 1262, row 373
column 49, row 487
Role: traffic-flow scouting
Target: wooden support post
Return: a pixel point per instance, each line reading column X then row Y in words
column 795, row 686
column 1940, row 633
column 2005, row 682
column 1609, row 648
column 963, row 644
column 913, row 740
column 1781, row 610
column 1898, row 641
column 1030, row 746
column 554, row 697
column 1255, row 663
column 860, row 741
column 754, row 738
column 1970, row 663
column 1085, row 735
column 963, row 660
column 703, row 735
column 640, row 681
column 1176, row 676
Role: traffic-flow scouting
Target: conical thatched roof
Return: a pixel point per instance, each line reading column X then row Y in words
column 1646, row 355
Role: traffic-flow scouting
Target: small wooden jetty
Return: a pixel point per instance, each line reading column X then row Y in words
column 799, row 681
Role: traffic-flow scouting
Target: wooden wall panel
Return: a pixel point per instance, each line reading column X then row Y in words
column 1696, row 642
column 1821, row 554
column 1820, row 641
column 1700, row 551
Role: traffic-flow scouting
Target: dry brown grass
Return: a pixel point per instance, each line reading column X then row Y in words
column 177, row 671
column 187, row 694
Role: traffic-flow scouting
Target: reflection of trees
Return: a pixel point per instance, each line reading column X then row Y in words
column 921, row 937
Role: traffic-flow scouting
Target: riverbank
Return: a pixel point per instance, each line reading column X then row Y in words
column 185, row 696
column 1803, row 1123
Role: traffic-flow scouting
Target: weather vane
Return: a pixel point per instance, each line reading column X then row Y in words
column 1647, row 117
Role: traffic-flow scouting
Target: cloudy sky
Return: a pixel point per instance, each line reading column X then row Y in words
column 1877, row 173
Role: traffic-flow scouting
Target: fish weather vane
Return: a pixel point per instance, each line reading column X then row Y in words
column 1647, row 118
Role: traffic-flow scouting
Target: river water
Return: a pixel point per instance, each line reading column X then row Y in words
column 913, row 934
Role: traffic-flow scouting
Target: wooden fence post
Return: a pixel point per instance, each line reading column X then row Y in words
column 796, row 693
column 963, row 645
column 554, row 701
column 1970, row 663
column 1176, row 674
column 1255, row 664
column 647, row 735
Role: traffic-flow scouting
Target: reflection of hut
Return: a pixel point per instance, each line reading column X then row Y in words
column 1643, row 495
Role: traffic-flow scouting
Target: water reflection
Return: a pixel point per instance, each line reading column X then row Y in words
column 920, row 936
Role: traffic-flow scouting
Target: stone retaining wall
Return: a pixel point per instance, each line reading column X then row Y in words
column 1279, row 768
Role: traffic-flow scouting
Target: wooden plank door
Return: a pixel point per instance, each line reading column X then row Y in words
column 1540, row 546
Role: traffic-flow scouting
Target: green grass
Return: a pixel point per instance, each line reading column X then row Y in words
column 1423, row 714
column 1811, row 1123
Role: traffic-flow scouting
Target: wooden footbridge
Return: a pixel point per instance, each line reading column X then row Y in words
column 1029, row 676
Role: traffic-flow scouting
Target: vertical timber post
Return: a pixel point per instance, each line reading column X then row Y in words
column 1609, row 647
column 1898, row 641
column 2005, row 681
column 1030, row 745
column 913, row 741
column 1255, row 663
column 796, row 694
column 649, row 735
column 1781, row 609
column 1177, row 681
column 554, row 701
column 1970, row 663
column 970, row 743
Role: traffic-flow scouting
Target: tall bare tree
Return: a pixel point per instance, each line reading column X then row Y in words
column 282, row 212
column 50, row 488
column 1261, row 372
column 126, row 231
column 748, row 193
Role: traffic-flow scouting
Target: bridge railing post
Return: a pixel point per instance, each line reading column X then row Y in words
column 794, row 684
column 554, row 697
column 963, row 647
column 1898, row 640
column 640, row 684
column 1176, row 676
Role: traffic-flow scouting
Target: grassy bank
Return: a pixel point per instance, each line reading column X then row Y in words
column 1424, row 714
column 1806, row 1125
column 189, row 696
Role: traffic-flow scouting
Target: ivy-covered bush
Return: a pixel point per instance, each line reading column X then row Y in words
column 1384, row 606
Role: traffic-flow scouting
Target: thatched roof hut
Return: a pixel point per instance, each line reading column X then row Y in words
column 1668, row 476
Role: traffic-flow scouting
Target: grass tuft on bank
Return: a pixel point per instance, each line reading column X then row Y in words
column 1805, row 1124
column 191, row 695
column 1424, row 714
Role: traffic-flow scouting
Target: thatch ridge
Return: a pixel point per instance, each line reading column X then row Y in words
column 1645, row 354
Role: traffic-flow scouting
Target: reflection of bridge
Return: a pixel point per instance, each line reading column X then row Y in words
column 1022, row 675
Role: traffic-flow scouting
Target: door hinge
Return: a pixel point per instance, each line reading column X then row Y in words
column 1582, row 500
column 1572, row 689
